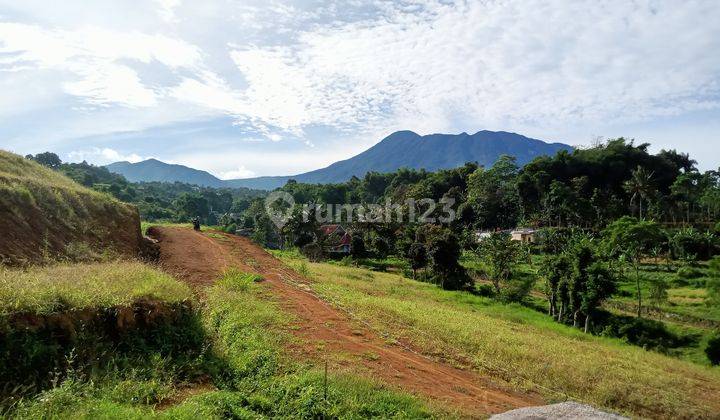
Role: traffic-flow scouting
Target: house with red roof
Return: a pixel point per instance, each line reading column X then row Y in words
column 335, row 239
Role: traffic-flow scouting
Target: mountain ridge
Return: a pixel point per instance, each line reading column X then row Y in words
column 404, row 148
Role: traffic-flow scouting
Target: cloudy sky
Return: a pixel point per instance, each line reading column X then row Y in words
column 245, row 88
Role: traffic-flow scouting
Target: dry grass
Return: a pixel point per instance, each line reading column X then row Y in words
column 67, row 286
column 521, row 346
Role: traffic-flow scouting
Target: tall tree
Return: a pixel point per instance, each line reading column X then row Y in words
column 640, row 187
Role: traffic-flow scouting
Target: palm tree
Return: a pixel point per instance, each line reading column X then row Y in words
column 640, row 186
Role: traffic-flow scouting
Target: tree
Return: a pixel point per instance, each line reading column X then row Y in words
column 500, row 254
column 380, row 246
column 640, row 187
column 555, row 269
column 582, row 258
column 632, row 239
column 357, row 246
column 49, row 159
column 687, row 188
column 190, row 205
column 600, row 285
column 417, row 255
column 494, row 195
column 443, row 251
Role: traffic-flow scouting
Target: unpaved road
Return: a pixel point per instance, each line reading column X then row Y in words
column 198, row 259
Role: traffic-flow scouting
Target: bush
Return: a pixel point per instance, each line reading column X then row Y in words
column 646, row 333
column 357, row 247
column 303, row 239
column 231, row 228
column 688, row 273
column 485, row 290
column 381, row 248
column 690, row 244
column 712, row 350
column 313, row 252
column 517, row 289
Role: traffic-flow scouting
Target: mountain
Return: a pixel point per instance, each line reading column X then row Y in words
column 400, row 149
column 154, row 170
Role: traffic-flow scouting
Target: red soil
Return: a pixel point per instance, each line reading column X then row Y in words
column 323, row 329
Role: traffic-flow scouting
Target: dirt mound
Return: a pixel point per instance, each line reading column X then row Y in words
column 325, row 331
column 46, row 216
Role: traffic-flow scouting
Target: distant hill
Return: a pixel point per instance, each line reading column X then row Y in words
column 153, row 170
column 47, row 216
column 400, row 149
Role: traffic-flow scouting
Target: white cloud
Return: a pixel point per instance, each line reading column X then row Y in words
column 94, row 57
column 362, row 69
column 492, row 63
column 167, row 10
column 103, row 156
column 240, row 172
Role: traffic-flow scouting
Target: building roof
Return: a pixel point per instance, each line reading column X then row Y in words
column 524, row 231
column 330, row 229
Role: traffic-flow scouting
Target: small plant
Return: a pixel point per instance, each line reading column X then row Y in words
column 239, row 281
column 303, row 269
column 658, row 291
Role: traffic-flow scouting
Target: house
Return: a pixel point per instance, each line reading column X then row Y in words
column 526, row 235
column 335, row 239
column 481, row 235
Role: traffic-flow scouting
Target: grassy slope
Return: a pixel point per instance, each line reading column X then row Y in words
column 519, row 345
column 46, row 212
column 44, row 290
column 251, row 377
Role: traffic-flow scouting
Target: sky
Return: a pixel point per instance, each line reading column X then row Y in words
column 251, row 88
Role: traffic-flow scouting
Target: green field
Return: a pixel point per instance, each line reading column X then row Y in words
column 517, row 344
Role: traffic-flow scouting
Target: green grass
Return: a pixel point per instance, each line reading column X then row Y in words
column 519, row 345
column 44, row 290
column 47, row 211
column 252, row 376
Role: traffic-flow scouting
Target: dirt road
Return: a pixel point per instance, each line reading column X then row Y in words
column 198, row 258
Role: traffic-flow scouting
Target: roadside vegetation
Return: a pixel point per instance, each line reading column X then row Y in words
column 63, row 287
column 232, row 364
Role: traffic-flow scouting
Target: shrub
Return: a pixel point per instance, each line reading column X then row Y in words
column 517, row 289
column 357, row 247
column 690, row 244
column 712, row 350
column 485, row 290
column 313, row 252
column 380, row 247
column 688, row 273
column 646, row 333
column 303, row 239
column 231, row 228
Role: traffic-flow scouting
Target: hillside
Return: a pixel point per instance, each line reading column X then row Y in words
column 398, row 150
column 46, row 216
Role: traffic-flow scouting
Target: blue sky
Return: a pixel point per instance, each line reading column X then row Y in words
column 247, row 88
